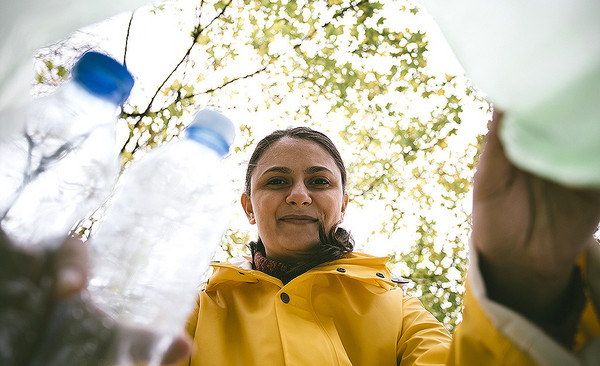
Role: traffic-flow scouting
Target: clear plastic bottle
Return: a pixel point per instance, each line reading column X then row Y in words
column 167, row 216
column 64, row 163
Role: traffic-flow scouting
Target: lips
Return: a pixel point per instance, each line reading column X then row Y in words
column 298, row 219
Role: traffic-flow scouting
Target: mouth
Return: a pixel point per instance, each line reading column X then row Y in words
column 298, row 219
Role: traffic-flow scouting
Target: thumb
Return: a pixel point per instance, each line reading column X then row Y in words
column 70, row 268
column 143, row 345
column 494, row 171
column 180, row 348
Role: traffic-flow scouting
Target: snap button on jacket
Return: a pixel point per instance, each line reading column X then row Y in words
column 322, row 317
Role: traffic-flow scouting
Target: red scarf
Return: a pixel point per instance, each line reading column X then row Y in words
column 284, row 271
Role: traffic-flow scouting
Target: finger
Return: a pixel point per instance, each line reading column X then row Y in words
column 142, row 345
column 70, row 268
column 4, row 242
column 178, row 350
column 494, row 171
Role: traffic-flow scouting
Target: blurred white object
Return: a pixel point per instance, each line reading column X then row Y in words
column 167, row 216
column 64, row 162
column 26, row 25
column 539, row 62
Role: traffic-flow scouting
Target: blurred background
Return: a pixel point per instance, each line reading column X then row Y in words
column 376, row 76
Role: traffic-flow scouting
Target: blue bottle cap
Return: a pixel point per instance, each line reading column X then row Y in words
column 103, row 76
column 212, row 129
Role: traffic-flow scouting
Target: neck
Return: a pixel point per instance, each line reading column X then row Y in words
column 276, row 268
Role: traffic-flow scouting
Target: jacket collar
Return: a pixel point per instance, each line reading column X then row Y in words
column 358, row 266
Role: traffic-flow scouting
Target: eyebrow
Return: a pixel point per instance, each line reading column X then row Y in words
column 277, row 169
column 285, row 170
column 317, row 169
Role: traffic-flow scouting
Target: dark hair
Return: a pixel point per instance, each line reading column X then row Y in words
column 333, row 244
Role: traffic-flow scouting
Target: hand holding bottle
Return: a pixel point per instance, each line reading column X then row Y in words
column 31, row 285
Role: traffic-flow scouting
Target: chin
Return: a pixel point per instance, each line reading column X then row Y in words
column 303, row 247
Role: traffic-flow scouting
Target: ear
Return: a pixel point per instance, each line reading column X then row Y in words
column 247, row 205
column 344, row 205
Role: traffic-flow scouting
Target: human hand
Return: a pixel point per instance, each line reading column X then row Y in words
column 47, row 319
column 528, row 232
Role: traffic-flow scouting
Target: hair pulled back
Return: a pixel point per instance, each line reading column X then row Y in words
column 333, row 244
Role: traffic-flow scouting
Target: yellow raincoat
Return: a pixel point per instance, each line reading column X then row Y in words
column 346, row 312
column 350, row 312
column 491, row 334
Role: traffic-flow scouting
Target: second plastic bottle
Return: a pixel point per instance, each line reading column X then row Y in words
column 166, row 218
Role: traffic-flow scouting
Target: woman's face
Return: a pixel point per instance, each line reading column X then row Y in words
column 295, row 185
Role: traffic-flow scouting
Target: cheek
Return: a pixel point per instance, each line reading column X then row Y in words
column 334, row 211
column 264, row 208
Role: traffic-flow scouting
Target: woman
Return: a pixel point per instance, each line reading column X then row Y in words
column 305, row 298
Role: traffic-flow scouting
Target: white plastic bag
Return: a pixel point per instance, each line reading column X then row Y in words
column 26, row 25
column 538, row 61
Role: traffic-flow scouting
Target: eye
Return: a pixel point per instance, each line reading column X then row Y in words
column 320, row 182
column 276, row 181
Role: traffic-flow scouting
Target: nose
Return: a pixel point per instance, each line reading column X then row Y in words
column 299, row 195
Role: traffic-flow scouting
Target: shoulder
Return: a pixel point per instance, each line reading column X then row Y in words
column 365, row 268
column 370, row 263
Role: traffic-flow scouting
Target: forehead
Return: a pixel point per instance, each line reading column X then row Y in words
column 296, row 154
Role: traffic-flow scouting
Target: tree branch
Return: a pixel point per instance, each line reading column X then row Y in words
column 338, row 14
column 264, row 68
column 187, row 97
column 195, row 35
column 127, row 39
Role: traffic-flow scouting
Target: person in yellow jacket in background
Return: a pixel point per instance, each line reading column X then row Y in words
column 305, row 298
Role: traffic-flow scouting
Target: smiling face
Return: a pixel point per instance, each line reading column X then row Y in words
column 296, row 184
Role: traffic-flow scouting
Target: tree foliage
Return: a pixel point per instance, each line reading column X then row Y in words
column 356, row 69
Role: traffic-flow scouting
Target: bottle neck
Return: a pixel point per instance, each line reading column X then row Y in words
column 208, row 138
